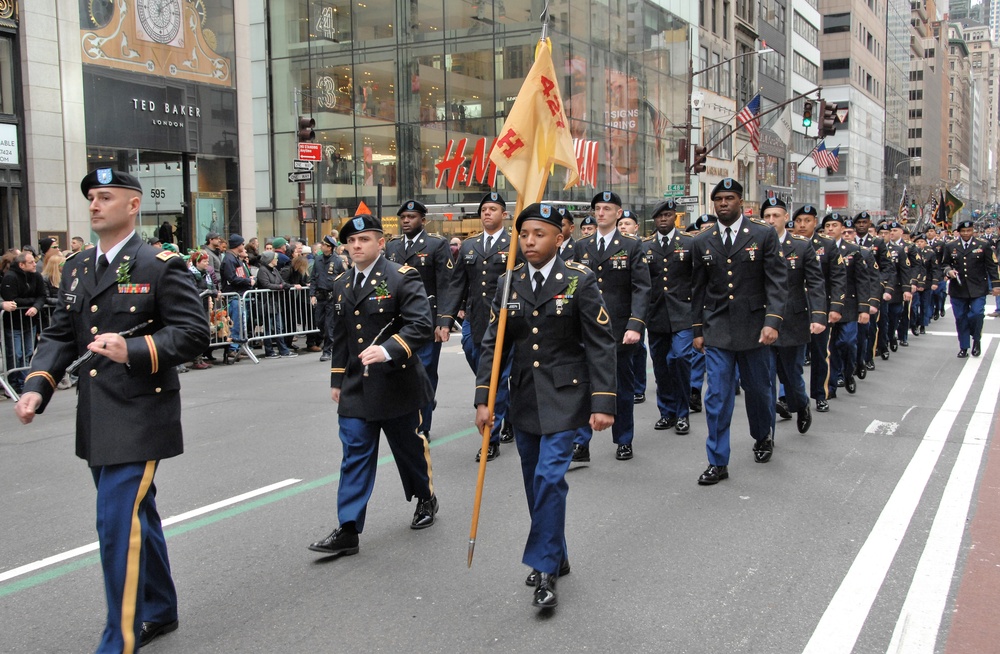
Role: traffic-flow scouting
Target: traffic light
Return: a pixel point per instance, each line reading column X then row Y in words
column 807, row 114
column 700, row 155
column 913, row 205
column 306, row 125
column 682, row 150
column 827, row 118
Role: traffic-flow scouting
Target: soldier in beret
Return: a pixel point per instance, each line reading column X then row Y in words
column 588, row 226
column 623, row 277
column 129, row 314
column 481, row 260
column 927, row 277
column 668, row 252
column 563, row 357
column 381, row 319
column 567, row 250
column 698, row 358
column 736, row 316
column 431, row 257
column 970, row 265
column 804, row 313
column 326, row 267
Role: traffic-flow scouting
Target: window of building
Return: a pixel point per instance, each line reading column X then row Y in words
column 772, row 64
column 915, row 133
column 6, row 76
column 833, row 23
column 805, row 68
column 725, row 20
column 916, row 75
column 713, row 131
column 833, row 68
column 917, row 94
column 744, row 10
column 805, row 29
column 916, row 113
column 773, row 14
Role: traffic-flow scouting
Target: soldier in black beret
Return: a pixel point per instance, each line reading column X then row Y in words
column 381, row 320
column 588, row 226
column 327, row 266
column 129, row 315
column 567, row 250
column 431, row 257
column 970, row 264
column 481, row 260
column 727, row 184
column 561, row 348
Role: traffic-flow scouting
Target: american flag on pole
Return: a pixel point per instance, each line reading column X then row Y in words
column 748, row 118
column 904, row 209
column 826, row 158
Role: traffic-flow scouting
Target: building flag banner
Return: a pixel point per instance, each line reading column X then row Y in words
column 904, row 209
column 748, row 117
column 952, row 203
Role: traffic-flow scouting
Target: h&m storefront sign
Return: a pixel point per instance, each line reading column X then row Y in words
column 455, row 168
column 124, row 110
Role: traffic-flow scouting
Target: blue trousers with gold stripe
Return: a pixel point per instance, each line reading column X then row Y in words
column 545, row 458
column 819, row 366
column 360, row 439
column 137, row 578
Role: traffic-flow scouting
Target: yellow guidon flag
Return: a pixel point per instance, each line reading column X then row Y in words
column 536, row 133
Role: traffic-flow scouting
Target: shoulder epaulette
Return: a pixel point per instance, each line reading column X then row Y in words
column 629, row 236
column 406, row 269
column 799, row 237
column 72, row 254
column 688, row 234
column 167, row 255
column 518, row 266
column 649, row 238
column 396, row 238
column 340, row 275
column 758, row 221
column 575, row 265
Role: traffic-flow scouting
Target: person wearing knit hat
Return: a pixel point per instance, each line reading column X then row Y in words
column 480, row 261
column 236, row 279
column 431, row 256
column 44, row 244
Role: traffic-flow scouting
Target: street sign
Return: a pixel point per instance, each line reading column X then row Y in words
column 311, row 151
column 673, row 194
column 298, row 164
column 676, row 187
column 300, row 176
column 687, row 199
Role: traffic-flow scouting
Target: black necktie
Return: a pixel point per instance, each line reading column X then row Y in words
column 406, row 247
column 360, row 283
column 489, row 244
column 728, row 240
column 600, row 247
column 102, row 265
column 539, row 280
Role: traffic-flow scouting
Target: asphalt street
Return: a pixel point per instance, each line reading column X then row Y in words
column 854, row 538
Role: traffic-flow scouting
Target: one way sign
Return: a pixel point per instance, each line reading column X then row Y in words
column 300, row 176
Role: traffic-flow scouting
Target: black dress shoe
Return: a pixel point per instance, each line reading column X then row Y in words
column 871, row 365
column 426, row 435
column 340, row 542
column 840, row 382
column 151, row 630
column 581, row 454
column 423, row 517
column 694, row 403
column 762, row 450
column 532, row 579
column 624, row 452
column 506, row 433
column 904, row 344
column 963, row 354
column 935, row 316
column 713, row 475
column 885, row 355
column 915, row 330
column 639, row 398
column 804, row 419
column 492, row 452
column 923, row 330
column 683, row 426
column 781, row 408
column 545, row 592
column 822, row 406
column 976, row 351
column 893, row 345
column 665, row 423
column 861, row 372
column 850, row 385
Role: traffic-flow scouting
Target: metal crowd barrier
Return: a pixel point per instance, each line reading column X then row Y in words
column 20, row 336
column 265, row 315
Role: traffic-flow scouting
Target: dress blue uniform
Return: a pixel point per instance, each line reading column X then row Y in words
column 560, row 343
column 737, row 291
column 975, row 263
column 858, row 281
column 431, row 257
column 128, row 415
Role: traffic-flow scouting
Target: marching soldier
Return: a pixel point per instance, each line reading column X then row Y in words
column 562, row 377
column 739, row 287
column 894, row 261
column 134, row 315
column 971, row 266
column 567, row 250
column 698, row 358
column 855, row 312
column 326, row 267
column 431, row 257
column 588, row 226
column 927, row 278
column 623, row 277
column 804, row 314
column 381, row 319
column 806, row 219
column 481, row 260
column 668, row 252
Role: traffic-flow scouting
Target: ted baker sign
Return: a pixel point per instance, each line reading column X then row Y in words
column 166, row 114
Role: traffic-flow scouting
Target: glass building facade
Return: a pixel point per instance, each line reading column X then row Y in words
column 408, row 96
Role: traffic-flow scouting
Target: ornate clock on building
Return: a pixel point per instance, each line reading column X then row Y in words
column 100, row 12
column 159, row 19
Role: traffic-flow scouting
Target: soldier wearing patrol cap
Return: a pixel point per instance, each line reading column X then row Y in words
column 562, row 378
column 588, row 226
column 129, row 314
column 668, row 252
column 381, row 319
column 856, row 304
column 431, row 256
column 806, row 218
column 739, row 287
column 567, row 250
column 327, row 266
column 970, row 265
column 623, row 277
column 480, row 262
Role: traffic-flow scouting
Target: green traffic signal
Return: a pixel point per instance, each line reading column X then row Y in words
column 807, row 114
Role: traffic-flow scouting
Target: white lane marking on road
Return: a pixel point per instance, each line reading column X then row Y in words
column 92, row 547
column 907, row 413
column 920, row 618
column 884, row 428
column 841, row 623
